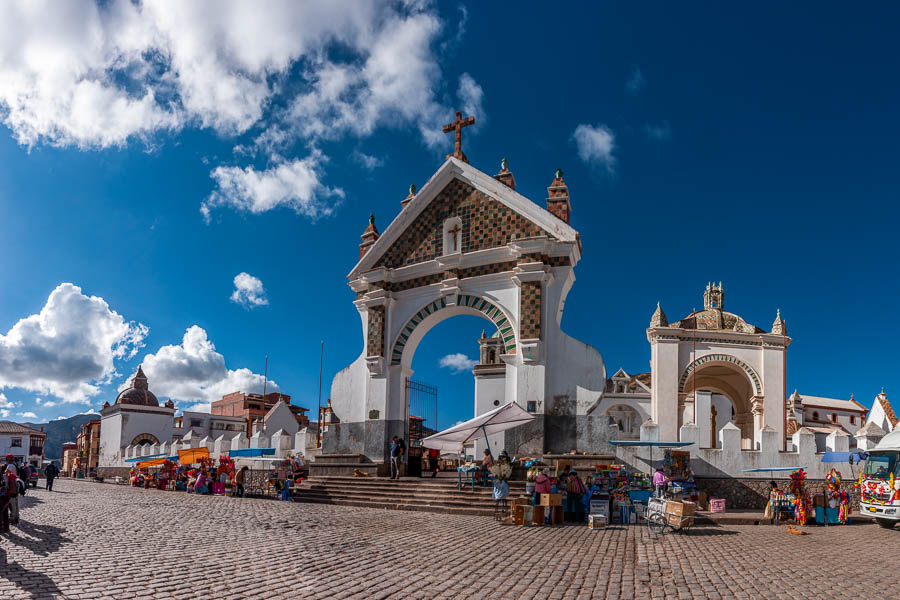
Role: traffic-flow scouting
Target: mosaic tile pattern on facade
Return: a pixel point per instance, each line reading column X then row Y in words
column 487, row 223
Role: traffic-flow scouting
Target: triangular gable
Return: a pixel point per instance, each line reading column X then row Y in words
column 454, row 169
column 621, row 374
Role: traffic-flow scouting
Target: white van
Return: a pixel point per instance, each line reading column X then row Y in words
column 880, row 489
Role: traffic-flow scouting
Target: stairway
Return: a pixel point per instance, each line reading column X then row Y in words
column 426, row 495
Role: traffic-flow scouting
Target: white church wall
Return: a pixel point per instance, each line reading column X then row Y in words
column 729, row 460
column 878, row 416
column 111, row 442
column 281, row 418
column 489, row 389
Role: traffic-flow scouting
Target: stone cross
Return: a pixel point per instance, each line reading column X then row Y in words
column 457, row 126
column 453, row 232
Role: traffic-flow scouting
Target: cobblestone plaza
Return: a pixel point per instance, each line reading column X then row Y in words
column 88, row 540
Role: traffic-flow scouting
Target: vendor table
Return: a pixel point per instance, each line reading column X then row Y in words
column 465, row 475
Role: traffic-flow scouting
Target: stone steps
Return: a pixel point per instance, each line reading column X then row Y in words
column 419, row 507
column 394, row 498
column 427, row 495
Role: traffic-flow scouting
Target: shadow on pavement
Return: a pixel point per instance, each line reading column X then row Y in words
column 37, row 584
column 42, row 539
column 708, row 531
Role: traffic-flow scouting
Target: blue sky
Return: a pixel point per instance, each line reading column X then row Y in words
column 699, row 142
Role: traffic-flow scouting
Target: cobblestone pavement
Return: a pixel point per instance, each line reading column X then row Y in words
column 89, row 540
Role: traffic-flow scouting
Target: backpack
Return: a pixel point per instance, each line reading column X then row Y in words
column 12, row 485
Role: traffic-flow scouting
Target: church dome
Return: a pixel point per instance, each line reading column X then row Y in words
column 138, row 393
column 713, row 316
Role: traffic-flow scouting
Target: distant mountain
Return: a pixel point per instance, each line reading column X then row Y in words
column 59, row 432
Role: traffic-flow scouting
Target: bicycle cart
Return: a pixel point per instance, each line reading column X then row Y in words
column 661, row 513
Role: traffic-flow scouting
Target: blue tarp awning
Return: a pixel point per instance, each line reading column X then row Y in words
column 766, row 470
column 641, row 444
column 143, row 458
column 844, row 457
column 251, row 452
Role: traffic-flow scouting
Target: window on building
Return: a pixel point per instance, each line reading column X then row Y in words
column 815, row 416
column 532, row 406
column 834, row 418
column 15, row 443
column 196, row 422
column 852, row 420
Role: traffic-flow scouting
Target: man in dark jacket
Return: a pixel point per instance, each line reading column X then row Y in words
column 50, row 472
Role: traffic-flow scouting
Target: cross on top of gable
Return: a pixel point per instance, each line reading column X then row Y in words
column 457, row 126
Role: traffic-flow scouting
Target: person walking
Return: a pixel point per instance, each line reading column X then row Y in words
column 12, row 476
column 396, row 454
column 659, row 482
column 4, row 501
column 433, row 455
column 239, row 481
column 50, row 472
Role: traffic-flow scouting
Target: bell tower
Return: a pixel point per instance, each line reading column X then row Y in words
column 714, row 296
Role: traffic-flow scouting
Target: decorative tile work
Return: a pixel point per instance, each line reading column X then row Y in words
column 496, row 316
column 486, row 224
column 530, row 310
column 375, row 332
column 721, row 358
column 557, row 261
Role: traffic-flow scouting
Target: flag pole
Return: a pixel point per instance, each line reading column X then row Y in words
column 319, row 413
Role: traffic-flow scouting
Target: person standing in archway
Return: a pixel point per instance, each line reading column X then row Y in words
column 396, row 452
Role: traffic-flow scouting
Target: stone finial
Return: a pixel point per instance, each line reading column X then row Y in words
column 409, row 197
column 659, row 317
column 558, row 203
column 779, row 327
column 505, row 176
column 369, row 236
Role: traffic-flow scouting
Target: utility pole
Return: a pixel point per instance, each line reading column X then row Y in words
column 319, row 413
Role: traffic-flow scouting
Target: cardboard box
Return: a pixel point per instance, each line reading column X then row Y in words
column 676, row 521
column 599, row 508
column 551, row 499
column 597, row 521
column 681, row 509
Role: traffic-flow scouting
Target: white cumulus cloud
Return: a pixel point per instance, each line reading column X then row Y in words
column 595, row 145
column 98, row 74
column 472, row 96
column 457, row 362
column 193, row 372
column 27, row 415
column 248, row 291
column 69, row 347
column 295, row 185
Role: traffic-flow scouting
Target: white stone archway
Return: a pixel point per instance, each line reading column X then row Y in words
column 468, row 243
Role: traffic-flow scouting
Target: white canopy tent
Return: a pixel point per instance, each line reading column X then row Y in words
column 500, row 419
column 889, row 442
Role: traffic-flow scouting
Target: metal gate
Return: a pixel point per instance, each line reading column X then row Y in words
column 421, row 412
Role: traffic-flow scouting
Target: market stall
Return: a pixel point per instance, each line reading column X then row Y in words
column 455, row 438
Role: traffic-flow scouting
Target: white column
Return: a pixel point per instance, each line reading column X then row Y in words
column 702, row 406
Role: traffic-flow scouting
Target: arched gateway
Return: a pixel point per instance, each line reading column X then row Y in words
column 468, row 243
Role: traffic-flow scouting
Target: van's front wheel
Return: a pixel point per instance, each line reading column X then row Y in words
column 886, row 523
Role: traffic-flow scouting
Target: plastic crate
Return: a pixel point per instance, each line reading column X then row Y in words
column 716, row 505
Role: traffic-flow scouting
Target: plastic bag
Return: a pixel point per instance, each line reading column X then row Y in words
column 501, row 490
